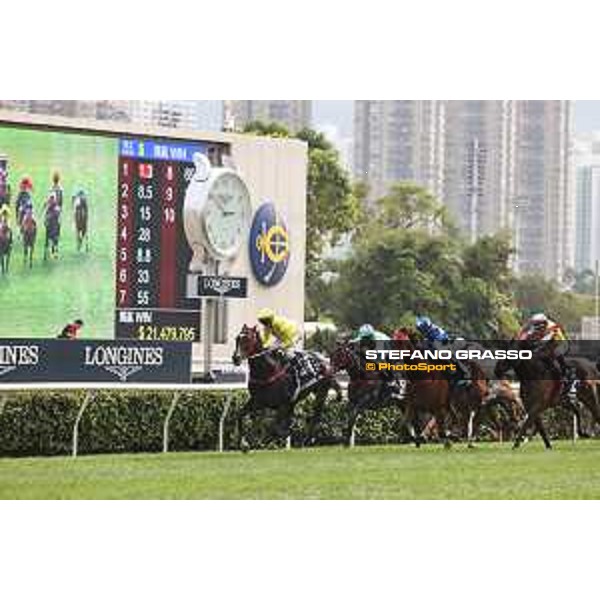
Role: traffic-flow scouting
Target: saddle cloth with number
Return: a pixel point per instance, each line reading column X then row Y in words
column 307, row 366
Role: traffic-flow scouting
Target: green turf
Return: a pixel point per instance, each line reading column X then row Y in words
column 489, row 471
column 38, row 302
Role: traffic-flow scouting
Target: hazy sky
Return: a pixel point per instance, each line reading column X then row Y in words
column 338, row 114
column 587, row 115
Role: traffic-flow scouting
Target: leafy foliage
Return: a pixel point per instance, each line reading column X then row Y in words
column 410, row 260
column 38, row 424
column 534, row 293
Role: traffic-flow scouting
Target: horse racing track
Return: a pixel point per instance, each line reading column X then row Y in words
column 489, row 471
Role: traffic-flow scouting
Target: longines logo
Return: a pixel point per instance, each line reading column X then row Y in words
column 123, row 361
column 13, row 357
column 221, row 285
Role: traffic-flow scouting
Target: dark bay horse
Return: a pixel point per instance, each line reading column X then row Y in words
column 587, row 384
column 80, row 214
column 540, row 389
column 367, row 390
column 5, row 247
column 52, row 222
column 273, row 385
column 28, row 235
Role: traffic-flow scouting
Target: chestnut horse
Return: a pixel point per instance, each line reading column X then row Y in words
column 467, row 400
column 273, row 384
column 28, row 235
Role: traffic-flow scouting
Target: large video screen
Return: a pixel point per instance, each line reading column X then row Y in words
column 91, row 228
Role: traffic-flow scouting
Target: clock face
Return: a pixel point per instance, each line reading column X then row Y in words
column 226, row 214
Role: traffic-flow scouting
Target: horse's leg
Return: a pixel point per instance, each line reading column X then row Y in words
column 441, row 416
column 524, row 426
column 409, row 421
column 470, row 428
column 321, row 397
column 353, row 413
column 542, row 431
column 355, row 408
column 246, row 409
column 283, row 420
column 587, row 395
column 571, row 406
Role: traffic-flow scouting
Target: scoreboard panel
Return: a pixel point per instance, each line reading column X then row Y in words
column 152, row 251
column 129, row 279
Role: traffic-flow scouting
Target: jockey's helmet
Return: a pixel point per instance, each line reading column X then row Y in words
column 366, row 331
column 539, row 321
column 26, row 184
column 55, row 177
column 266, row 316
column 460, row 343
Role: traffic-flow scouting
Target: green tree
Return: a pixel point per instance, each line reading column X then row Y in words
column 409, row 260
column 489, row 259
column 534, row 293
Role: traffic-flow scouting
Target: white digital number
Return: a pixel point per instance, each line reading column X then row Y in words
column 143, row 297
column 170, row 215
column 143, row 276
column 145, row 192
column 144, row 234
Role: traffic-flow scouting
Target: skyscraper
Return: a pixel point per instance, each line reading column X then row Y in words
column 294, row 114
column 544, row 190
column 494, row 164
column 398, row 140
column 478, row 149
column 587, row 201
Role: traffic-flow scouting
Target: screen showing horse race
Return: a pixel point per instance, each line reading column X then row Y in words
column 92, row 231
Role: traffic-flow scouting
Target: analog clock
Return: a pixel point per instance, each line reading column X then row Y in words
column 226, row 214
column 216, row 214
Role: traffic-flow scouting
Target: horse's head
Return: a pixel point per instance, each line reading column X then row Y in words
column 342, row 356
column 504, row 365
column 247, row 344
column 402, row 334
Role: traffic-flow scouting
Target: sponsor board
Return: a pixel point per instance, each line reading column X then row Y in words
column 217, row 286
column 110, row 362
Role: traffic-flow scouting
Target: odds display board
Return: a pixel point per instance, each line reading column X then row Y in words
column 91, row 229
column 151, row 246
column 118, row 255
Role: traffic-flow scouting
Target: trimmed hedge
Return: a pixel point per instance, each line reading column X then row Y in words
column 39, row 423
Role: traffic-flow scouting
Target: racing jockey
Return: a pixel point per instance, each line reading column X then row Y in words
column 539, row 328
